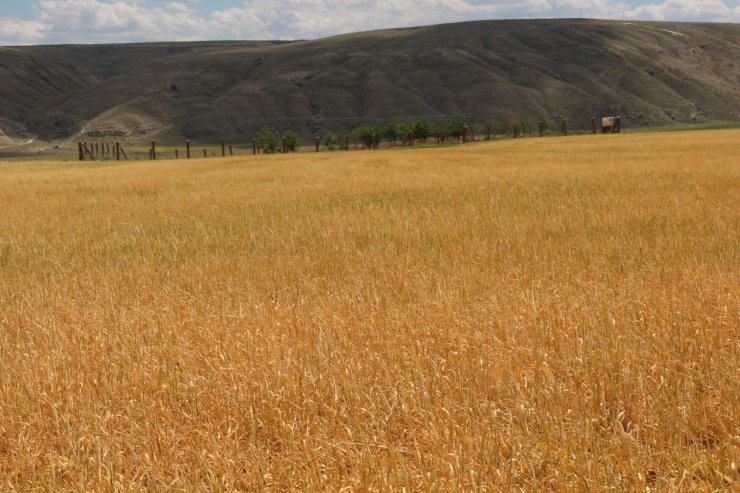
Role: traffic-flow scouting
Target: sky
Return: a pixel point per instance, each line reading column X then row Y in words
column 28, row 22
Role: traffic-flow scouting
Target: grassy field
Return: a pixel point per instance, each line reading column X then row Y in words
column 536, row 314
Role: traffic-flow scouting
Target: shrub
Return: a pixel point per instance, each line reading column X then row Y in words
column 267, row 141
column 501, row 125
column 454, row 128
column 394, row 132
column 292, row 140
column 331, row 140
column 422, row 129
column 364, row 134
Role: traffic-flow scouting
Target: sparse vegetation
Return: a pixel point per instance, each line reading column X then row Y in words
column 537, row 315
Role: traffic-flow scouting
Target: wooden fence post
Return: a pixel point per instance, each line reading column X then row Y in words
column 204, row 153
column 318, row 142
column 540, row 124
column 87, row 150
column 80, row 153
column 254, row 147
column 177, row 154
column 154, row 150
column 231, row 150
column 488, row 131
column 223, row 147
column 187, row 149
column 285, row 145
column 118, row 151
column 346, row 143
column 593, row 126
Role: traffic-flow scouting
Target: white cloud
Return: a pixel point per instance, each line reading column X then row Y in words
column 99, row 21
column 698, row 10
column 18, row 31
column 95, row 21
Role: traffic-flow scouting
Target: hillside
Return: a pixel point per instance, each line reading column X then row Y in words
column 650, row 73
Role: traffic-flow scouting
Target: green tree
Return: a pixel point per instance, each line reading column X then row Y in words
column 393, row 132
column 331, row 140
column 292, row 140
column 439, row 129
column 365, row 133
column 421, row 129
column 524, row 123
column 501, row 125
column 454, row 127
column 267, row 141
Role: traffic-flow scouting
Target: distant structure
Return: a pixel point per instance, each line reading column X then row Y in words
column 610, row 124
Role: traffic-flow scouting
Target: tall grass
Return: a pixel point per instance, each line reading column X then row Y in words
column 538, row 314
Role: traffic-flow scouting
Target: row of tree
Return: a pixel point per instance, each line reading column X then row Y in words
column 370, row 135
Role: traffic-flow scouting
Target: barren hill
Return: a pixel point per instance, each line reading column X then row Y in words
column 649, row 73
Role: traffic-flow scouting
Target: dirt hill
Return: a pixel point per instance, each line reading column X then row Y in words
column 649, row 73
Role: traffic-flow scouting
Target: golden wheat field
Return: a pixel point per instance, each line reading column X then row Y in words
column 542, row 314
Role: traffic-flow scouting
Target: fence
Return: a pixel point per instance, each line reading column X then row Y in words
column 364, row 137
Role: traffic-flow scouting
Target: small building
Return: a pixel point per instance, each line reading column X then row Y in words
column 610, row 124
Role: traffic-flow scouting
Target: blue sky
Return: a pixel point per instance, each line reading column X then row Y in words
column 117, row 21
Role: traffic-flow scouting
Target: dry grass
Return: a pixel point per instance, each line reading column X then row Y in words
column 540, row 314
